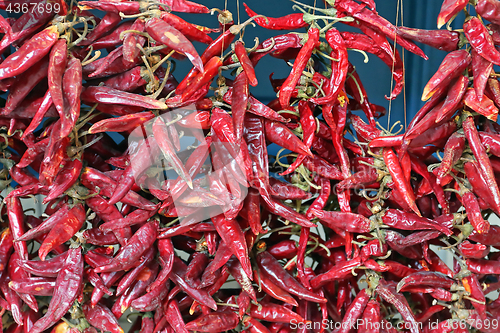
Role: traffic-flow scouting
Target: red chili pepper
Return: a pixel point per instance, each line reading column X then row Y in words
column 287, row 22
column 137, row 245
column 57, row 65
column 408, row 221
column 480, row 40
column 233, row 237
column 100, row 183
column 68, row 287
column 16, row 223
column 274, row 313
column 108, row 95
column 392, row 163
column 23, row 84
column 355, row 310
column 30, row 53
column 101, row 317
column 344, row 221
column 185, row 6
column 200, row 295
column 339, row 67
column 114, row 6
column 269, row 266
column 188, row 29
column 164, row 33
column 452, row 66
column 481, row 70
column 214, row 49
column 107, row 24
column 300, row 63
column 339, row 271
column 203, row 78
column 449, row 9
column 63, row 230
column 485, row 106
column 246, row 63
column 480, row 154
column 452, row 152
column 444, row 40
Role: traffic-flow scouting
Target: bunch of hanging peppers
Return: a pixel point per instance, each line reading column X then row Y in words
column 336, row 230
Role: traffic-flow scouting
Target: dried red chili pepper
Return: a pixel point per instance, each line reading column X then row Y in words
column 137, row 245
column 30, row 53
column 300, row 63
column 444, row 40
column 480, row 40
column 166, row 34
column 392, row 163
column 276, row 274
column 449, row 9
column 452, row 66
column 68, row 287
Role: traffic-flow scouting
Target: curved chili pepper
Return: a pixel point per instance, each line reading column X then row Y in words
column 200, row 295
column 274, row 313
column 452, row 66
column 276, row 274
column 300, row 63
column 101, row 317
column 23, row 84
column 449, row 9
column 344, row 220
column 287, row 22
column 185, row 6
column 164, row 33
column 480, row 40
column 16, row 223
column 214, row 49
column 132, row 251
column 339, row 67
column 444, row 40
column 480, row 154
column 431, row 279
column 214, row 322
column 68, row 286
column 30, row 53
column 63, row 230
column 392, row 163
column 408, row 221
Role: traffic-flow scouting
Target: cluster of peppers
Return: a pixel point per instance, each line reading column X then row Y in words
column 336, row 235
